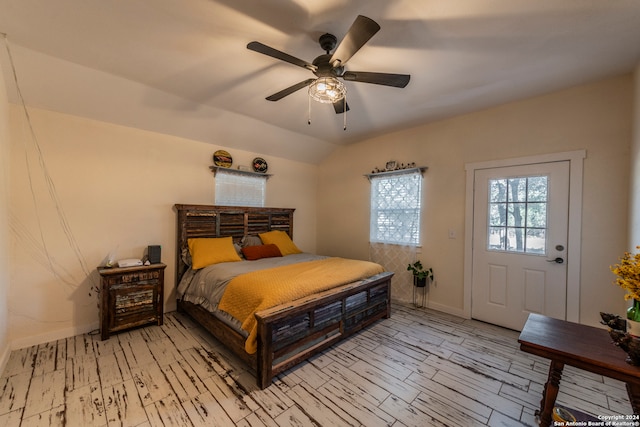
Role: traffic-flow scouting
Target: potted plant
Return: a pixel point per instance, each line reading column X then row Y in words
column 628, row 278
column 420, row 274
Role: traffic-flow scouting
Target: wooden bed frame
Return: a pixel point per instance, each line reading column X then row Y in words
column 291, row 332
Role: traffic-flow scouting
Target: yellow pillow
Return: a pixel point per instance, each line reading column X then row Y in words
column 281, row 240
column 208, row 251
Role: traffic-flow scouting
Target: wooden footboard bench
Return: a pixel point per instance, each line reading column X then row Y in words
column 290, row 333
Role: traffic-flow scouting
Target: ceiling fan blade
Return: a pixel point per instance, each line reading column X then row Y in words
column 274, row 53
column 341, row 106
column 288, row 91
column 361, row 31
column 395, row 80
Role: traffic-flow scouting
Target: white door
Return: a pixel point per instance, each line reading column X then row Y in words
column 520, row 224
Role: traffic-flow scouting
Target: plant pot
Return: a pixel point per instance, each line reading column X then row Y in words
column 633, row 319
column 419, row 282
column 633, row 328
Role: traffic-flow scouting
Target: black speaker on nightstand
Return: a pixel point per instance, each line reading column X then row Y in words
column 153, row 252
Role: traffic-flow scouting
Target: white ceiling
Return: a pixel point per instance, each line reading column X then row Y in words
column 181, row 67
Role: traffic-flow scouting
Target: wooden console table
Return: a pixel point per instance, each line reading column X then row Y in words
column 581, row 346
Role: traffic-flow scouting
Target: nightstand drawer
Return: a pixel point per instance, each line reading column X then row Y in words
column 136, row 277
column 136, row 300
column 135, row 305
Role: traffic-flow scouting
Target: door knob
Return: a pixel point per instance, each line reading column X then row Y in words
column 557, row 260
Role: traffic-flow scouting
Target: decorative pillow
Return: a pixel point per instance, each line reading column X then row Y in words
column 252, row 253
column 250, row 240
column 238, row 249
column 281, row 240
column 186, row 256
column 208, row 251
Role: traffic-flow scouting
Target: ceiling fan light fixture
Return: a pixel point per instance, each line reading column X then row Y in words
column 327, row 90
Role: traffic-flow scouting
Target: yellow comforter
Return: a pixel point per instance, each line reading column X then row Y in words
column 251, row 292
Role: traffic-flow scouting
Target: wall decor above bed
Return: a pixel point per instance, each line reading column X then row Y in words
column 222, row 159
column 260, row 165
column 275, row 337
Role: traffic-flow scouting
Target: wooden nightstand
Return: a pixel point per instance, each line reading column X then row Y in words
column 130, row 297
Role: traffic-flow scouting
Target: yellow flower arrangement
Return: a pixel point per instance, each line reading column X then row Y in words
column 628, row 272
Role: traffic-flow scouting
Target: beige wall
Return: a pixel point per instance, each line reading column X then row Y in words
column 594, row 117
column 91, row 188
column 4, row 226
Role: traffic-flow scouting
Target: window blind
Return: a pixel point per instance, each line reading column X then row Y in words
column 235, row 189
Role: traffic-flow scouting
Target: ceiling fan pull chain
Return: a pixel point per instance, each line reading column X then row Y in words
column 345, row 112
column 309, row 116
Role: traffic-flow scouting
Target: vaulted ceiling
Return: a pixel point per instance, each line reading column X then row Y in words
column 181, row 67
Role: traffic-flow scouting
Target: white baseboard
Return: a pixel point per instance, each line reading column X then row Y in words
column 52, row 336
column 62, row 333
column 459, row 312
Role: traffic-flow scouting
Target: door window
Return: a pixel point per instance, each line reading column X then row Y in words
column 517, row 217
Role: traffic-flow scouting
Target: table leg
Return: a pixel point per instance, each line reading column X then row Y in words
column 550, row 393
column 633, row 390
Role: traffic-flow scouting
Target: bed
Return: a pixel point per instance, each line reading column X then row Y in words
column 292, row 331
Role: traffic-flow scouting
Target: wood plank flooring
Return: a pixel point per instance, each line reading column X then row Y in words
column 418, row 368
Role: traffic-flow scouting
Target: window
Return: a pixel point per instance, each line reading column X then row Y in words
column 395, row 208
column 518, row 215
column 238, row 189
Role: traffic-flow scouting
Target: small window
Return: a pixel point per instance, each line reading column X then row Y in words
column 395, row 208
column 236, row 189
column 517, row 217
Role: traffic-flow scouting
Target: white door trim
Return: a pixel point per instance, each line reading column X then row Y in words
column 576, row 160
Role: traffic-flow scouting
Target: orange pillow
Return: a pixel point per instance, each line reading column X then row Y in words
column 252, row 253
column 281, row 240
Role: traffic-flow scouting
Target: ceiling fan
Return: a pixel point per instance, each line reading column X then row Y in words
column 329, row 67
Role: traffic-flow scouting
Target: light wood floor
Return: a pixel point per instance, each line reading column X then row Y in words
column 418, row 368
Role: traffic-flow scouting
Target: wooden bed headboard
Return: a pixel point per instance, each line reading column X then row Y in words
column 223, row 221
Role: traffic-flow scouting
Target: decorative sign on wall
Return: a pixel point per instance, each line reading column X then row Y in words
column 260, row 165
column 222, row 158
